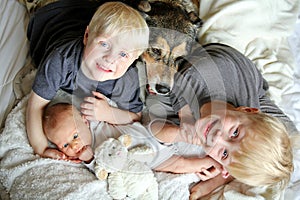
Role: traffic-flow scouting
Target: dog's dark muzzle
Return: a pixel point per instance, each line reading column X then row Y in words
column 162, row 89
column 159, row 89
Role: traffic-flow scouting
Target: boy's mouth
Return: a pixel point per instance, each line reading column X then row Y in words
column 103, row 68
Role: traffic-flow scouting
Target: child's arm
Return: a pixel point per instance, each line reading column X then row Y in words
column 203, row 188
column 205, row 167
column 170, row 133
column 97, row 108
column 34, row 128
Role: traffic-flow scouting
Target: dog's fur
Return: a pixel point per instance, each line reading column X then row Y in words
column 173, row 29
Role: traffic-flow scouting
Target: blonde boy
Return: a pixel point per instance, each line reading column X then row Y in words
column 94, row 66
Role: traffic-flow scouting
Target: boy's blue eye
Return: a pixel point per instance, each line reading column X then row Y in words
column 235, row 133
column 225, row 154
column 104, row 44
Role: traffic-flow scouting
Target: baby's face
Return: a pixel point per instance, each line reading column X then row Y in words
column 107, row 58
column 71, row 136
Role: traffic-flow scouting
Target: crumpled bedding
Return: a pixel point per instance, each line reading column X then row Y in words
column 258, row 29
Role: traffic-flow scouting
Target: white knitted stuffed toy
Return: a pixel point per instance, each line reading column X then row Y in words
column 126, row 172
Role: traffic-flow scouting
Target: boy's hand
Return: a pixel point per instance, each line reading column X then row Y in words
column 209, row 169
column 96, row 108
column 209, row 173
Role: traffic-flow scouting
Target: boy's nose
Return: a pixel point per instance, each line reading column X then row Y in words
column 215, row 142
column 109, row 58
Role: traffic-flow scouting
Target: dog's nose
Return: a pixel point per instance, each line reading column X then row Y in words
column 162, row 89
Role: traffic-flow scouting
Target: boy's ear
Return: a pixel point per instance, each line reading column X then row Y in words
column 247, row 109
column 86, row 34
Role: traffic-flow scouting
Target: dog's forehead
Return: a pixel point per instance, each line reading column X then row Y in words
column 169, row 15
column 173, row 37
column 165, row 44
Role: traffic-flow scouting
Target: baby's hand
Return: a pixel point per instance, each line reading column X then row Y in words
column 86, row 154
column 54, row 153
column 95, row 108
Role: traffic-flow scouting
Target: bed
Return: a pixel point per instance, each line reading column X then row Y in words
column 268, row 32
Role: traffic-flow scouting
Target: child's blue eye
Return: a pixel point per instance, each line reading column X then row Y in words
column 225, row 154
column 104, row 44
column 235, row 133
column 66, row 145
column 75, row 136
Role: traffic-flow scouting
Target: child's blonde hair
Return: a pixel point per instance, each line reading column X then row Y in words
column 115, row 18
column 265, row 156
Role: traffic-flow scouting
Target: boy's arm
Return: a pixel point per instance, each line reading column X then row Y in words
column 34, row 128
column 179, row 164
column 203, row 188
column 167, row 132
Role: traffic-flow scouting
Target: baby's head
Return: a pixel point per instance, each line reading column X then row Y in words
column 252, row 146
column 66, row 128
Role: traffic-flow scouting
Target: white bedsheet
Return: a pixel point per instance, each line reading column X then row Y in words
column 13, row 51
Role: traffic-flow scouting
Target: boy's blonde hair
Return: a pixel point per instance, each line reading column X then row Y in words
column 116, row 18
column 265, row 156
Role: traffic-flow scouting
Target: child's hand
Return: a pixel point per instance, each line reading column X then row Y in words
column 54, row 153
column 86, row 154
column 209, row 169
column 209, row 173
column 96, row 108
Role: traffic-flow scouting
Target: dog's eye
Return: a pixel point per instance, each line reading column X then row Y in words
column 156, row 51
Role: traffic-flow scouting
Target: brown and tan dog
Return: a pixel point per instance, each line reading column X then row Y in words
column 173, row 29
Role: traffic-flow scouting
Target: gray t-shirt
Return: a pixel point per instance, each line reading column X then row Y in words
column 220, row 72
